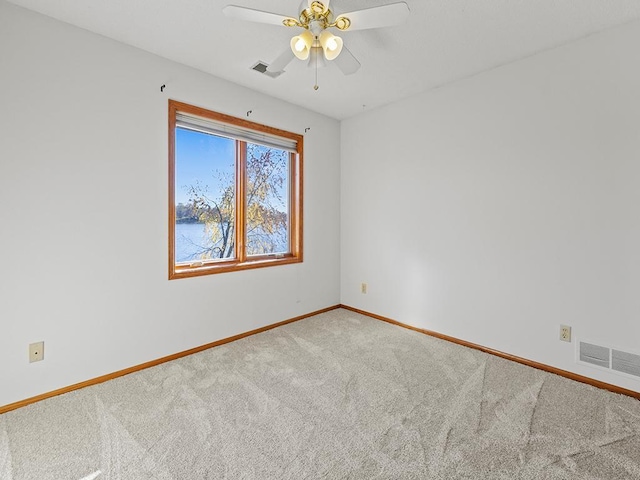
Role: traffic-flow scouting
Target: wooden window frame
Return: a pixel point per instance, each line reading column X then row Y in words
column 242, row 260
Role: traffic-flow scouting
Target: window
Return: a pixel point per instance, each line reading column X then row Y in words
column 235, row 193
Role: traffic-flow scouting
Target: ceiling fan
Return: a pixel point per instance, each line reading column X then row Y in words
column 316, row 42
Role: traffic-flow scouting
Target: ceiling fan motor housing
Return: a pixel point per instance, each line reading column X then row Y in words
column 317, row 18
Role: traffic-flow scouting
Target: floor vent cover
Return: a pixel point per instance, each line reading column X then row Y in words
column 625, row 362
column 594, row 354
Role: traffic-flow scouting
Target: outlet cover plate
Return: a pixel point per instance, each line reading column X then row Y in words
column 565, row 333
column 36, row 352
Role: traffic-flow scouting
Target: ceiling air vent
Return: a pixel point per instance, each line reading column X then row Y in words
column 262, row 68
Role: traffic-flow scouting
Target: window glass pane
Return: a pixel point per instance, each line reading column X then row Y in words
column 204, row 196
column 267, row 205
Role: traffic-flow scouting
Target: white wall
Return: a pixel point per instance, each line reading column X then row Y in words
column 497, row 208
column 83, row 188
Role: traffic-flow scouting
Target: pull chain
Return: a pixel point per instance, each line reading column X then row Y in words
column 316, row 86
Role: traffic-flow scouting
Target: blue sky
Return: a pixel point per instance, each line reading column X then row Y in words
column 198, row 156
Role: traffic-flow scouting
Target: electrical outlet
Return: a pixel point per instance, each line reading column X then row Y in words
column 565, row 333
column 36, row 352
column 363, row 288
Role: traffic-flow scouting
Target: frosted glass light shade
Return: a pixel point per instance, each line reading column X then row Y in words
column 331, row 45
column 301, row 45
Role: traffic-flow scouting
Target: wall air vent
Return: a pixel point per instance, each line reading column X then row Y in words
column 594, row 354
column 625, row 362
column 609, row 358
column 261, row 67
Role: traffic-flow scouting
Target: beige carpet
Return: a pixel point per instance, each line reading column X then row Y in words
column 336, row 396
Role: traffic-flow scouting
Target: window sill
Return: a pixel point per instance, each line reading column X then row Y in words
column 211, row 268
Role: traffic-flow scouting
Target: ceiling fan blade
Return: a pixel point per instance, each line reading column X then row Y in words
column 280, row 63
column 251, row 15
column 347, row 62
column 375, row 17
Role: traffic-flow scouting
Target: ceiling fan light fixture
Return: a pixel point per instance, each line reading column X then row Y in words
column 331, row 44
column 301, row 45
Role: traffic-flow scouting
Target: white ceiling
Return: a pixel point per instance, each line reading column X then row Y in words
column 443, row 41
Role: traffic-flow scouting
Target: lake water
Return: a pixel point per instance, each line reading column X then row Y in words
column 190, row 238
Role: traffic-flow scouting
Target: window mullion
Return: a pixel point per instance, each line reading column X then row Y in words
column 241, row 202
